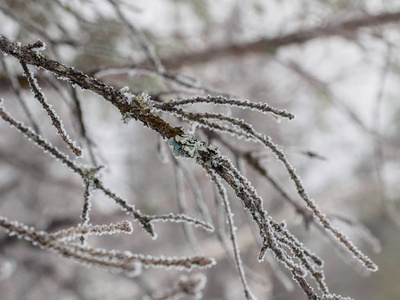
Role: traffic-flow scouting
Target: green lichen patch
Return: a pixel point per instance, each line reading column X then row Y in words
column 186, row 145
column 126, row 117
column 143, row 100
column 89, row 175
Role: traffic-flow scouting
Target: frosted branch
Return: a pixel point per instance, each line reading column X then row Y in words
column 52, row 114
column 220, row 100
column 181, row 218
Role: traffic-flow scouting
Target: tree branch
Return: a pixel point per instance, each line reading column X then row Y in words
column 110, row 94
column 271, row 44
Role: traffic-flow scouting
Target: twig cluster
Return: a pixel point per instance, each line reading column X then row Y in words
column 276, row 238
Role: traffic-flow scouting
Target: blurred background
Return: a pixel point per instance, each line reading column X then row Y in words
column 334, row 64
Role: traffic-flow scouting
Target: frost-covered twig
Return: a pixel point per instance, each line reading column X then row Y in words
column 220, row 100
column 89, row 176
column 39, row 141
column 50, row 111
column 128, row 208
column 116, row 261
column 72, row 251
column 85, row 230
column 254, row 162
column 85, row 219
column 178, row 218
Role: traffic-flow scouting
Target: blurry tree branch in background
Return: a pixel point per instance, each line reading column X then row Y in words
column 270, row 45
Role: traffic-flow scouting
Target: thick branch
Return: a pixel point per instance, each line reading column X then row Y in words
column 31, row 57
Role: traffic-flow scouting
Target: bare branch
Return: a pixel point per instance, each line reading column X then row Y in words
column 272, row 44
